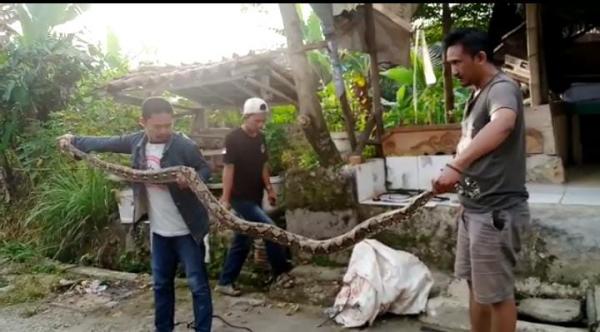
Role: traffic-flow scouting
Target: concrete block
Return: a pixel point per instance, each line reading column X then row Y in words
column 551, row 310
column 451, row 315
column 545, row 169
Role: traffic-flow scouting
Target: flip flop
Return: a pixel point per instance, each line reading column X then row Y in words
column 284, row 280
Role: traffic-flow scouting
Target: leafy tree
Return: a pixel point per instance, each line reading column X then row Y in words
column 8, row 16
column 476, row 15
column 39, row 70
column 38, row 19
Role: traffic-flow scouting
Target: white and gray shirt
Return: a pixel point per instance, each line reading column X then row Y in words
column 165, row 219
column 501, row 173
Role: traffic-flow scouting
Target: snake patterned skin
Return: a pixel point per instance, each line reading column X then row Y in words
column 224, row 218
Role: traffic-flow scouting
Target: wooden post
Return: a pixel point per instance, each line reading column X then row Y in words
column 370, row 41
column 264, row 93
column 200, row 122
column 576, row 139
column 543, row 69
column 311, row 115
column 448, row 84
column 531, row 17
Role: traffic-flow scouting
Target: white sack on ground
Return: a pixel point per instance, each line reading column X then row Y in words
column 379, row 280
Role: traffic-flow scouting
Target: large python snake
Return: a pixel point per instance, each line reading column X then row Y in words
column 225, row 218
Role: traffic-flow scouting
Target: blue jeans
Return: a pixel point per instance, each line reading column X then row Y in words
column 240, row 247
column 166, row 253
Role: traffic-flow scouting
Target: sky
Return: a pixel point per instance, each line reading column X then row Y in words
column 182, row 33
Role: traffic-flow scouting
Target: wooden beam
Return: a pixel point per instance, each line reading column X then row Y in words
column 244, row 70
column 393, row 17
column 158, row 89
column 511, row 32
column 136, row 101
column 264, row 93
column 283, row 80
column 531, row 17
column 268, row 88
column 199, row 82
column 214, row 95
column 370, row 39
column 315, row 46
column 244, row 89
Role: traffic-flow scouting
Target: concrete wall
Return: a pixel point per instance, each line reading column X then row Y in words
column 564, row 245
column 572, row 235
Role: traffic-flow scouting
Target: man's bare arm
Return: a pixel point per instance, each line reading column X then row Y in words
column 228, row 170
column 266, row 177
column 488, row 138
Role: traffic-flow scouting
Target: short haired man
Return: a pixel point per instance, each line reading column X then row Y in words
column 245, row 177
column 178, row 221
column 491, row 152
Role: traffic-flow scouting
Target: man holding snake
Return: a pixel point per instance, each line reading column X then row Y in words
column 178, row 221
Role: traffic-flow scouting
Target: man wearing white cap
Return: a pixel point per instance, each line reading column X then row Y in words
column 245, row 177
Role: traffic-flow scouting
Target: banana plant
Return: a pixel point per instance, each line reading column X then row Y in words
column 429, row 99
column 38, row 19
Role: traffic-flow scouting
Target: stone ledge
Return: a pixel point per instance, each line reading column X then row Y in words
column 543, row 168
column 551, row 310
column 452, row 315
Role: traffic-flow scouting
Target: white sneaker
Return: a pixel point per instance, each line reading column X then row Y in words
column 228, row 290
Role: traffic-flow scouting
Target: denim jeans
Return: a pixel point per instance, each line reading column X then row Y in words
column 166, row 253
column 240, row 247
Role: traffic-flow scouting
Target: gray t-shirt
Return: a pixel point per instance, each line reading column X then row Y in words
column 501, row 173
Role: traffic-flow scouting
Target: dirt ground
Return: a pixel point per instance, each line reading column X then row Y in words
column 86, row 307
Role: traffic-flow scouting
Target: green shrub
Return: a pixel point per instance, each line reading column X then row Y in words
column 72, row 206
column 25, row 256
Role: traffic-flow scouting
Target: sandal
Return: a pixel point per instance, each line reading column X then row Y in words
column 284, row 280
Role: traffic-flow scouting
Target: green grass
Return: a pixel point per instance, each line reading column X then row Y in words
column 25, row 257
column 71, row 208
column 29, row 288
column 18, row 252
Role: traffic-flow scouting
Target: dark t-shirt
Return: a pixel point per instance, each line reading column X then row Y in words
column 248, row 156
column 501, row 173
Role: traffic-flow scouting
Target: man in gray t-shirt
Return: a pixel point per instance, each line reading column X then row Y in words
column 491, row 155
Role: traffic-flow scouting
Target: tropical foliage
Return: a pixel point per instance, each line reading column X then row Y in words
column 474, row 14
column 50, row 84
